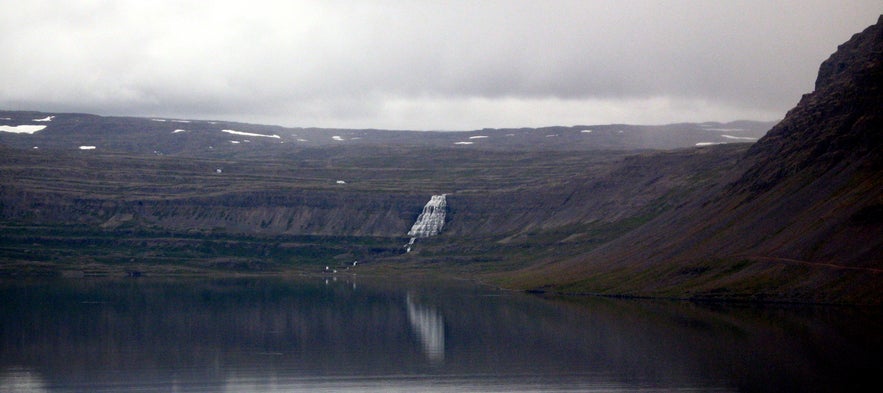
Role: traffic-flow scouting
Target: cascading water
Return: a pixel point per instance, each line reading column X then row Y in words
column 430, row 221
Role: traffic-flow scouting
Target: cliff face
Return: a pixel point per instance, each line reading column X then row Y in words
column 803, row 221
column 839, row 121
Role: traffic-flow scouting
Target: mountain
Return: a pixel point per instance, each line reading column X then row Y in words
column 91, row 193
column 695, row 211
column 799, row 218
column 201, row 138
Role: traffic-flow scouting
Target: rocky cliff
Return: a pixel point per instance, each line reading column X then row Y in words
column 799, row 218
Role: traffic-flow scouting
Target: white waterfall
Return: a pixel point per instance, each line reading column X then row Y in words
column 430, row 221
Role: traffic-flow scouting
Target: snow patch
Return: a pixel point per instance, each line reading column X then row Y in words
column 463, row 143
column 742, row 138
column 710, row 143
column 250, row 134
column 478, row 137
column 337, row 138
column 159, row 120
column 551, row 135
column 25, row 129
column 341, row 182
column 178, row 131
column 586, row 131
column 87, row 147
column 234, row 142
column 47, row 118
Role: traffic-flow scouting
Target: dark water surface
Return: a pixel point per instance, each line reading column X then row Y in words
column 358, row 334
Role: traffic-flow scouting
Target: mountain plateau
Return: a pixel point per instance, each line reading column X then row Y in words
column 694, row 211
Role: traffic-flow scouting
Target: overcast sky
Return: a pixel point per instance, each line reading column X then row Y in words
column 426, row 65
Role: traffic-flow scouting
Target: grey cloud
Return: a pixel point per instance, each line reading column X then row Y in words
column 384, row 63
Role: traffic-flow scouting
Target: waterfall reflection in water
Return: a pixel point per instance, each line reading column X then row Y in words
column 287, row 335
column 429, row 325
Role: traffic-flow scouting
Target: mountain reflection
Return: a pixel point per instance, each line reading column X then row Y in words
column 292, row 335
column 429, row 325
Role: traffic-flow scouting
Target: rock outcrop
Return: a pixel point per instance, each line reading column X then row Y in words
column 840, row 121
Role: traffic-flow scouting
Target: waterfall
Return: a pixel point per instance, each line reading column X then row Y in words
column 430, row 221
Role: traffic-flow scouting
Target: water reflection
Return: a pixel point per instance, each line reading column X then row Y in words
column 274, row 335
column 15, row 379
column 429, row 325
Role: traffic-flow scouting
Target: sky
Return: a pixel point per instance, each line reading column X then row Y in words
column 421, row 65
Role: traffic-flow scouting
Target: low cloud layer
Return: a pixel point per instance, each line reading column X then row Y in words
column 421, row 64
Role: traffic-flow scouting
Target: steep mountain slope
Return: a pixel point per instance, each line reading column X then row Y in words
column 803, row 222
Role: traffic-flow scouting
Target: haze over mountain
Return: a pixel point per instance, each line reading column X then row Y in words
column 801, row 217
column 685, row 210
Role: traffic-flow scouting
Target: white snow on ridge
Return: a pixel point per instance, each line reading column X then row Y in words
column 710, row 143
column 234, row 142
column 478, row 137
column 47, row 118
column 586, row 131
column 178, row 131
column 744, row 138
column 87, row 147
column 249, row 134
column 25, row 129
column 463, row 143
column 337, row 138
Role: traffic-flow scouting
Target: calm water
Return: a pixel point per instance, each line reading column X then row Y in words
column 355, row 334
